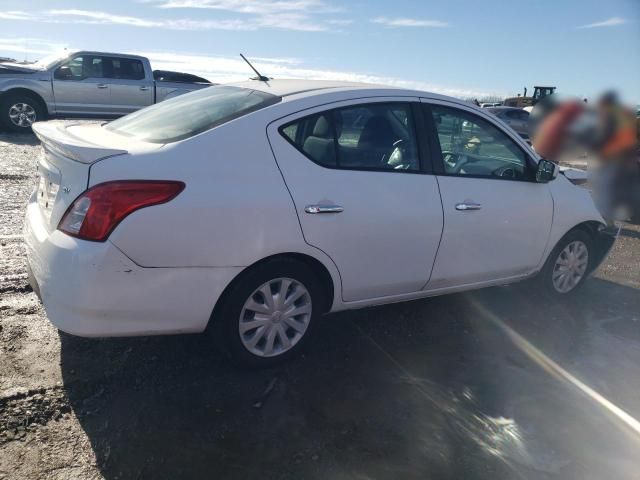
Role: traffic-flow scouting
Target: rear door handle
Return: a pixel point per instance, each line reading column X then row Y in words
column 144, row 89
column 323, row 209
column 463, row 207
column 102, row 85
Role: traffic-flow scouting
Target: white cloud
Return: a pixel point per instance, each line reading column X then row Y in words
column 284, row 21
column 610, row 22
column 223, row 69
column 302, row 15
column 14, row 15
column 103, row 18
column 409, row 22
column 256, row 7
column 30, row 48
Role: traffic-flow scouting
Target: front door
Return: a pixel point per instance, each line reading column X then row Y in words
column 356, row 179
column 497, row 219
column 80, row 86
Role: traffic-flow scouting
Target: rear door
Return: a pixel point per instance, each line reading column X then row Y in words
column 497, row 219
column 84, row 90
column 362, row 193
column 130, row 89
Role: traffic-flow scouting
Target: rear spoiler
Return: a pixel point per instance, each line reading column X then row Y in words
column 55, row 136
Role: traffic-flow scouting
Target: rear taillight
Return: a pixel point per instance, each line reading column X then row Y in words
column 95, row 213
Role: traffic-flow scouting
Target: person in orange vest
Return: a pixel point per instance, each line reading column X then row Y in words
column 617, row 177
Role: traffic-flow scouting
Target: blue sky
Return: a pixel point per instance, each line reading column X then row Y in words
column 463, row 47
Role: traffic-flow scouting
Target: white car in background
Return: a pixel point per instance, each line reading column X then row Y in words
column 249, row 210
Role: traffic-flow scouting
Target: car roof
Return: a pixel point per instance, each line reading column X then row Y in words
column 295, row 88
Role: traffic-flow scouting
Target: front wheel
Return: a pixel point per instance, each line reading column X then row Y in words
column 568, row 264
column 270, row 313
column 19, row 112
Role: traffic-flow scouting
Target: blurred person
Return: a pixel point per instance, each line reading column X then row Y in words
column 554, row 121
column 609, row 132
column 616, row 184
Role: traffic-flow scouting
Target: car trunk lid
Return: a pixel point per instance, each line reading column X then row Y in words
column 68, row 151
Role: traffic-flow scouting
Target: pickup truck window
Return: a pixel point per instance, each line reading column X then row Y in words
column 75, row 65
column 187, row 115
column 81, row 67
column 124, row 68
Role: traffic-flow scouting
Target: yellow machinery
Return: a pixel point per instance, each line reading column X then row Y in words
column 522, row 101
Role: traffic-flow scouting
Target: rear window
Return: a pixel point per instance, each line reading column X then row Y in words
column 187, row 115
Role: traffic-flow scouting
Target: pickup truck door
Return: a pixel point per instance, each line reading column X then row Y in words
column 131, row 89
column 79, row 86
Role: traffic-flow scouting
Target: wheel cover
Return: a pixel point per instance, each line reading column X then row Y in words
column 22, row 115
column 570, row 267
column 275, row 317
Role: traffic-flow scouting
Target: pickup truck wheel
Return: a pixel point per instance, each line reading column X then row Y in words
column 19, row 112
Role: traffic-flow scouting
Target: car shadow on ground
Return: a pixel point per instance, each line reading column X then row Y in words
column 427, row 389
column 18, row 138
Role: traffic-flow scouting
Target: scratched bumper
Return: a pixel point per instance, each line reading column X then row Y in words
column 92, row 289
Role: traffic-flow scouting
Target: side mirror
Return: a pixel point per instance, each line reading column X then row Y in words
column 546, row 171
column 63, row 73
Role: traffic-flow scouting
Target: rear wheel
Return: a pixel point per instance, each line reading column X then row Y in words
column 569, row 263
column 19, row 112
column 270, row 313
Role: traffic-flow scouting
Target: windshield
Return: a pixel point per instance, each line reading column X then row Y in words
column 190, row 114
column 50, row 60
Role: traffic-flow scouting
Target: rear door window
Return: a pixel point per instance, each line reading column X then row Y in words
column 379, row 136
column 125, row 68
column 93, row 67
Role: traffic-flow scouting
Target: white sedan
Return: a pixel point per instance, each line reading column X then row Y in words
column 249, row 210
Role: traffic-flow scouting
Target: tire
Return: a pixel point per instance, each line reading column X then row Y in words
column 579, row 267
column 235, row 313
column 27, row 108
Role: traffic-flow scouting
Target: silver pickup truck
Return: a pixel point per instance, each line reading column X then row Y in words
column 85, row 84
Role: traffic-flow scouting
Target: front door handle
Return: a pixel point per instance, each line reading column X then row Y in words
column 463, row 207
column 102, row 85
column 323, row 209
column 144, row 89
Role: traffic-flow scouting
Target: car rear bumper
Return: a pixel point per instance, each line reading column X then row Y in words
column 93, row 289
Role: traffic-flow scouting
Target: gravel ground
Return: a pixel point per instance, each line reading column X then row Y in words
column 437, row 388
